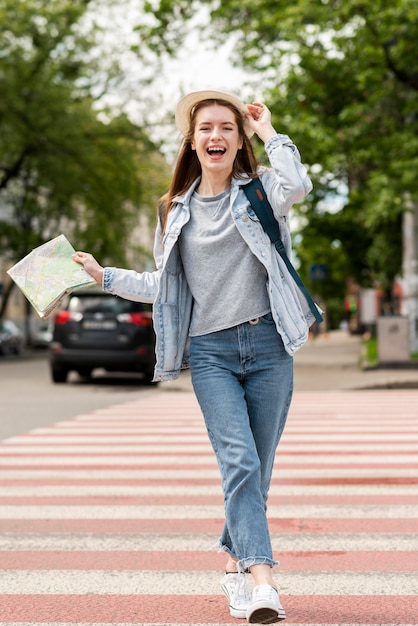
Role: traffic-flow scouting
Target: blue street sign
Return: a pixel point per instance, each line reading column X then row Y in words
column 318, row 272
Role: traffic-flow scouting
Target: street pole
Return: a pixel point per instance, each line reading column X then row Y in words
column 410, row 271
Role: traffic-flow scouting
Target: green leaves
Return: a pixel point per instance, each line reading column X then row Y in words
column 65, row 167
column 341, row 78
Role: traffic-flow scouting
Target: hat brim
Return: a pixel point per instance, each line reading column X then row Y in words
column 187, row 103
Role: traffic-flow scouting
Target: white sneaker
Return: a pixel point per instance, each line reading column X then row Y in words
column 235, row 588
column 265, row 607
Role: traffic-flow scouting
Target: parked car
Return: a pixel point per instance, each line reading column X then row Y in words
column 42, row 336
column 99, row 330
column 11, row 338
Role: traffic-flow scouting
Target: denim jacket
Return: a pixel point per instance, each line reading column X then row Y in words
column 285, row 183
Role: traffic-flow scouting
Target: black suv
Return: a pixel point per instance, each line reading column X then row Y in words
column 98, row 330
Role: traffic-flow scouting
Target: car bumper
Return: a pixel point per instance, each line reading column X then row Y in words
column 143, row 358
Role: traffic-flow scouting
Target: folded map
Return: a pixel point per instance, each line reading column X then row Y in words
column 48, row 273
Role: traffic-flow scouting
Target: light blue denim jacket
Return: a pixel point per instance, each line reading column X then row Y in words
column 285, row 183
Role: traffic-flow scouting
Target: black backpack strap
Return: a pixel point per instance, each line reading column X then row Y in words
column 255, row 193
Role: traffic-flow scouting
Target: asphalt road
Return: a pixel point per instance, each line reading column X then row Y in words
column 29, row 399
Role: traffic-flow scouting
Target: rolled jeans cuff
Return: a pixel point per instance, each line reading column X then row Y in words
column 243, row 565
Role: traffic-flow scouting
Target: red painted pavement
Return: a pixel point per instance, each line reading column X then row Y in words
column 325, row 561
column 361, row 425
column 183, row 609
column 204, row 500
column 206, row 526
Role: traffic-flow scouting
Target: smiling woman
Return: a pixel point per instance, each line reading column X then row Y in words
column 216, row 141
column 225, row 306
column 209, row 119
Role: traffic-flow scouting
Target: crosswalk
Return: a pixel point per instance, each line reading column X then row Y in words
column 113, row 517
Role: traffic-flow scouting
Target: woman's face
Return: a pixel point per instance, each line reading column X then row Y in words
column 216, row 138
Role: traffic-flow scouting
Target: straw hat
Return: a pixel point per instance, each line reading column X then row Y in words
column 186, row 105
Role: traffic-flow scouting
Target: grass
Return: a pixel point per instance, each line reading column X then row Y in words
column 369, row 356
column 370, row 352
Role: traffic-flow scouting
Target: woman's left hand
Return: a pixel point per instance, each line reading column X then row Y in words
column 259, row 120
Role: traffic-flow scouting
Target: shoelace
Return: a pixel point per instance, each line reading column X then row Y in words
column 242, row 592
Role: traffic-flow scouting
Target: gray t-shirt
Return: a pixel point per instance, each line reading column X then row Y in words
column 227, row 281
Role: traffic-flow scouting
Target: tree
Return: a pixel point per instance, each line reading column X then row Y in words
column 66, row 163
column 341, row 78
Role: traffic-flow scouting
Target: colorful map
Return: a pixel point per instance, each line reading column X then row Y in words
column 48, row 273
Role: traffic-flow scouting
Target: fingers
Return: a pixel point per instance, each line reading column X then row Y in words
column 259, row 120
column 256, row 110
column 90, row 264
column 81, row 257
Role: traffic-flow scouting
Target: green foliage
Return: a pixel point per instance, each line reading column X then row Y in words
column 370, row 352
column 343, row 83
column 66, row 164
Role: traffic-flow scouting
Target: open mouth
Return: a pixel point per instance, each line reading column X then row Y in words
column 215, row 151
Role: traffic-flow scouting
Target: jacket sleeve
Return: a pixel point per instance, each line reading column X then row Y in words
column 132, row 285
column 288, row 181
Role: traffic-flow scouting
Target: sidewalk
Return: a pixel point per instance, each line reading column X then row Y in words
column 332, row 363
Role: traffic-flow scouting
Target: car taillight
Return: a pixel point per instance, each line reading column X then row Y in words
column 138, row 319
column 62, row 317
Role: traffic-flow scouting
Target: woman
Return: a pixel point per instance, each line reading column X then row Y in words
column 225, row 305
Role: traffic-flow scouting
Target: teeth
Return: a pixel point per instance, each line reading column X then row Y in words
column 216, row 150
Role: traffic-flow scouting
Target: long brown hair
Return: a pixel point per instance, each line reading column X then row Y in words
column 188, row 167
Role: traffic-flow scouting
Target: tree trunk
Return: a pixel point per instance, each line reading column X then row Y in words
column 410, row 272
column 6, row 296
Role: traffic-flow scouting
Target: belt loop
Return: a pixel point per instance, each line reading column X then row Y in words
column 254, row 321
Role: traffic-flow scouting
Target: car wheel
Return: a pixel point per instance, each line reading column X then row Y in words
column 59, row 374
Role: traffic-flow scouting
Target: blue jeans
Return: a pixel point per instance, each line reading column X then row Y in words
column 243, row 380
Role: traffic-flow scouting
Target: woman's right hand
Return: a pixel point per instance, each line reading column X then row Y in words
column 90, row 264
column 259, row 119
